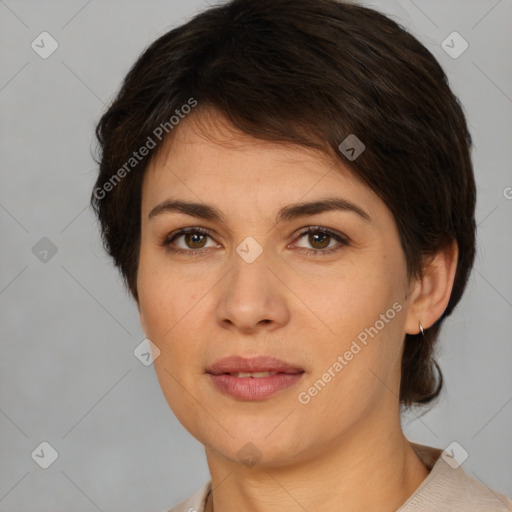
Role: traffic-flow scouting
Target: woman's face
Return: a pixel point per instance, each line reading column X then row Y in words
column 330, row 304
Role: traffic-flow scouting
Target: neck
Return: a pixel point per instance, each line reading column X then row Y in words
column 363, row 470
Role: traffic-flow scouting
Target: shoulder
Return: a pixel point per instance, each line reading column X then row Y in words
column 194, row 503
column 448, row 488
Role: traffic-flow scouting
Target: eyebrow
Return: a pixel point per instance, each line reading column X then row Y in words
column 287, row 213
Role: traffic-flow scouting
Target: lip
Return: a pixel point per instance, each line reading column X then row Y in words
column 234, row 364
column 251, row 388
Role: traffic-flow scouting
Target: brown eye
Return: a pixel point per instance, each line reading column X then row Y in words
column 194, row 240
column 320, row 240
column 188, row 240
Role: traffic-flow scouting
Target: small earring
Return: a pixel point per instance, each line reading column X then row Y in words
column 421, row 329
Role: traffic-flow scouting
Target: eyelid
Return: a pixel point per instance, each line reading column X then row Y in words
column 169, row 238
column 342, row 240
column 323, row 229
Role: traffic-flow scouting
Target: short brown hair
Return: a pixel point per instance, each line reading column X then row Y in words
column 309, row 72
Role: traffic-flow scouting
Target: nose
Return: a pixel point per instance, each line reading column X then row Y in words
column 252, row 297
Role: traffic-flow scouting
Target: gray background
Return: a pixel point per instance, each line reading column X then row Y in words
column 68, row 375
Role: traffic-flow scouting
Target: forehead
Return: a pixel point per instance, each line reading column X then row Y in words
column 208, row 159
column 207, row 134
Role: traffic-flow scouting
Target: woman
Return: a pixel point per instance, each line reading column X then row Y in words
column 287, row 189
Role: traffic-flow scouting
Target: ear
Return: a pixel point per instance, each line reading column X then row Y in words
column 431, row 293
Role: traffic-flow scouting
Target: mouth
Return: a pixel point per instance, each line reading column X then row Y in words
column 255, row 378
column 255, row 375
column 253, row 367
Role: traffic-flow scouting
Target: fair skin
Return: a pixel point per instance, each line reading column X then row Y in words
column 346, row 444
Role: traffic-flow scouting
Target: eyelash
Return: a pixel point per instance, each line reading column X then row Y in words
column 343, row 241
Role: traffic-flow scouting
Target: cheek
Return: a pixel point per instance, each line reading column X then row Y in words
column 348, row 300
column 166, row 308
column 170, row 308
column 164, row 296
column 169, row 323
column 355, row 375
column 362, row 319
